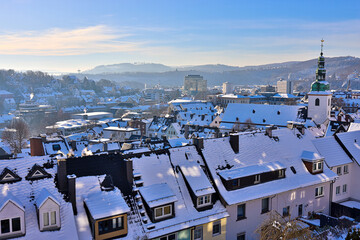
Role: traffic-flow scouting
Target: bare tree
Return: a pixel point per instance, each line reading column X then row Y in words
column 16, row 134
column 277, row 227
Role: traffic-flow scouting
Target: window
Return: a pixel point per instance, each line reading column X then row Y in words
column 162, row 212
column 319, row 191
column 337, row 191
column 346, row 169
column 216, row 228
column 241, row 211
column 198, row 233
column 111, row 225
column 344, row 188
column 317, row 102
column 56, row 147
column 300, row 210
column 281, row 173
column 204, row 200
column 317, row 167
column 8, row 177
column 338, row 171
column 264, row 205
column 169, row 237
column 240, row 236
column 286, row 211
column 236, row 183
column 6, row 227
column 257, row 178
column 49, row 218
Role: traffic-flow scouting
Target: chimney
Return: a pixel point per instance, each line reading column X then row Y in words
column 234, row 142
column 62, row 174
column 129, row 172
column 199, row 143
column 186, row 128
column 339, row 118
column 72, row 191
column 36, row 147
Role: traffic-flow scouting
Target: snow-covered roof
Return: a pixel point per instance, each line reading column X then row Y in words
column 155, row 169
column 284, row 95
column 260, row 114
column 351, row 140
column 102, row 204
column 187, row 159
column 239, row 172
column 354, row 127
column 43, row 196
column 332, row 151
column 258, row 148
column 311, row 156
column 179, row 142
column 157, row 194
column 121, row 129
column 26, row 192
column 9, row 197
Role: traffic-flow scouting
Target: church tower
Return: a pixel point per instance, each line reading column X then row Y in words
column 319, row 97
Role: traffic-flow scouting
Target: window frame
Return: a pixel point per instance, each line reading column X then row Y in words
column 281, row 173
column 198, row 228
column 337, row 190
column 263, row 210
column 10, row 225
column 316, row 168
column 163, row 215
column 243, row 216
column 346, row 169
column 242, row 234
column 216, row 223
column 206, row 200
column 338, row 170
column 319, row 193
column 287, row 213
column 344, row 188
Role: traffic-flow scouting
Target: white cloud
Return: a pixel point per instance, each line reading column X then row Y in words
column 63, row 42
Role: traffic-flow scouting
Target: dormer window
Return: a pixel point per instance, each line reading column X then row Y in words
column 314, row 162
column 204, row 200
column 163, row 212
column 317, row 167
column 281, row 173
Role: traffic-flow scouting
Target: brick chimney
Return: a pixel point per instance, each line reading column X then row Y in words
column 36, row 146
column 234, row 142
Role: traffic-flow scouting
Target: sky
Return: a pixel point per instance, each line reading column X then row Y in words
column 71, row 35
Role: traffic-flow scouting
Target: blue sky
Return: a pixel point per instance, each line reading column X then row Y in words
column 67, row 35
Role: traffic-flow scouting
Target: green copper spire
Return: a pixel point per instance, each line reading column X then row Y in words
column 320, row 84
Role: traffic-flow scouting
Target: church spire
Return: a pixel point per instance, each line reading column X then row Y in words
column 320, row 84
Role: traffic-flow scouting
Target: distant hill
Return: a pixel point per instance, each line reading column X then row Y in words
column 151, row 73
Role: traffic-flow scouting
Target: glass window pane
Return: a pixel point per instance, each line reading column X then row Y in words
column 46, row 219
column 114, row 223
column 53, row 218
column 5, row 226
column 120, row 222
column 167, row 210
column 172, row 237
column 158, row 212
column 16, row 224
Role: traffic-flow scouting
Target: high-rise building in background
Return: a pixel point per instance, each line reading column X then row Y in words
column 194, row 84
column 284, row 86
column 227, row 88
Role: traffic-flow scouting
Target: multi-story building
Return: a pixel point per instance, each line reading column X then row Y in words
column 194, row 84
column 284, row 86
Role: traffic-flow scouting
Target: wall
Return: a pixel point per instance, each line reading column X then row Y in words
column 208, row 227
column 10, row 210
column 294, row 198
column 49, row 206
column 319, row 113
column 343, row 179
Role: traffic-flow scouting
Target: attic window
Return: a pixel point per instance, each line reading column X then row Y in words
column 293, row 169
column 278, row 112
column 253, row 110
column 264, row 120
column 56, row 147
